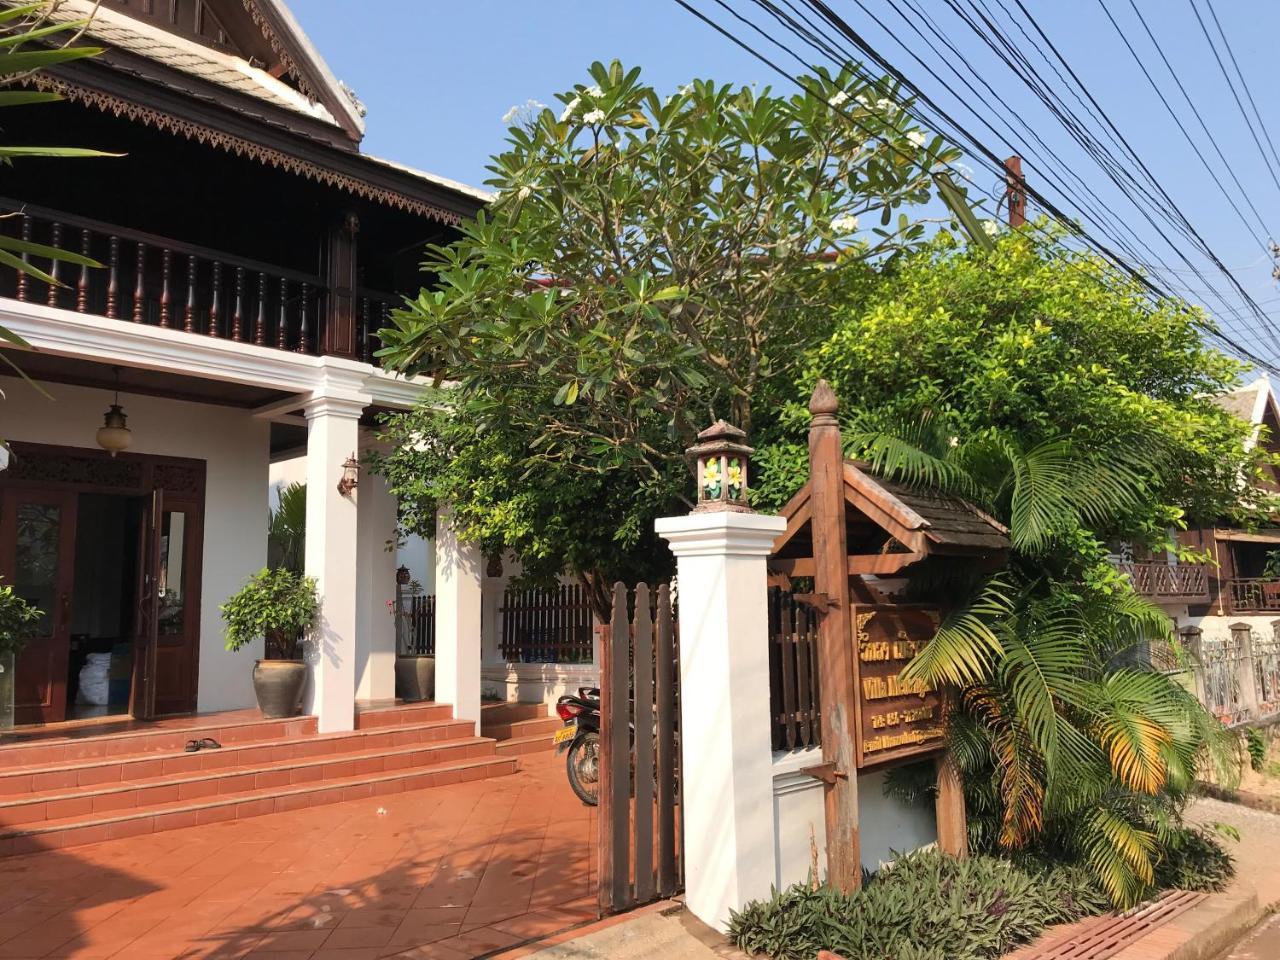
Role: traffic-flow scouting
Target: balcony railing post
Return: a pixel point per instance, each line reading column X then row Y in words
column 140, row 286
column 166, row 297
column 82, row 285
column 304, row 335
column 237, row 314
column 21, row 290
column 113, row 277
column 189, row 313
column 260, row 320
column 282, row 324
column 215, row 300
column 55, row 265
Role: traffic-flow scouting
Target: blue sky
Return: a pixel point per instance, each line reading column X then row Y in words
column 437, row 76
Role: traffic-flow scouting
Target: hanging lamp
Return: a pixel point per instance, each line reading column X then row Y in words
column 114, row 435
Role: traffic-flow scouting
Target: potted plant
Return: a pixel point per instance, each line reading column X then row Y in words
column 18, row 620
column 415, row 661
column 280, row 606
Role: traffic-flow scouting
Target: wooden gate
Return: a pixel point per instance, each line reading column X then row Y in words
column 639, row 817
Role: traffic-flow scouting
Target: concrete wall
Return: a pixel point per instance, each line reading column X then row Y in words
column 885, row 826
column 235, row 448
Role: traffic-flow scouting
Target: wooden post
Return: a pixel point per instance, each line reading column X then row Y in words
column 953, row 830
column 835, row 640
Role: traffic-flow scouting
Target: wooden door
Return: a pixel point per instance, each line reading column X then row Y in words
column 37, row 557
column 177, row 645
column 142, row 692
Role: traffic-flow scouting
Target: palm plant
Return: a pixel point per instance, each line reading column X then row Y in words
column 1071, row 744
column 33, row 38
column 287, row 529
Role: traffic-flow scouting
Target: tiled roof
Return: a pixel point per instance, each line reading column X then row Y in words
column 1243, row 402
column 122, row 32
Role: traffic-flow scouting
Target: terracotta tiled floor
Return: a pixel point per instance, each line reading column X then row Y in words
column 451, row 872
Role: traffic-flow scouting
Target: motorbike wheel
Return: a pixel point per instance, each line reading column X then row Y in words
column 582, row 763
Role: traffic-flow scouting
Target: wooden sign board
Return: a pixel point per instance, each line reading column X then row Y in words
column 895, row 722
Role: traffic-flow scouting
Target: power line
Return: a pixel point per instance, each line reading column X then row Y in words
column 1231, row 86
column 978, row 146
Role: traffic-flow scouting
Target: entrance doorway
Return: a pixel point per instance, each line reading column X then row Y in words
column 116, row 575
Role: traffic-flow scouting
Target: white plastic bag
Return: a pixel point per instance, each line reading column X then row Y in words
column 94, row 686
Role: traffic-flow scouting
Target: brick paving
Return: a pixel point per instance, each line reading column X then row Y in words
column 441, row 874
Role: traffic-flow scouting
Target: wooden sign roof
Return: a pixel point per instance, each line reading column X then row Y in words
column 890, row 526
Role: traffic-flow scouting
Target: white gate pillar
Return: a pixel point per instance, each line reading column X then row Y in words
column 333, row 428
column 725, row 738
column 459, row 605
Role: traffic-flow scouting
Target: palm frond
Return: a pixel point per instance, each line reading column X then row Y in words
column 968, row 643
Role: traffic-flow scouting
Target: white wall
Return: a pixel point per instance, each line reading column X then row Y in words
column 885, row 826
column 235, row 447
column 415, row 553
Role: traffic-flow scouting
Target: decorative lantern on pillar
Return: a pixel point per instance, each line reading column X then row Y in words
column 721, row 462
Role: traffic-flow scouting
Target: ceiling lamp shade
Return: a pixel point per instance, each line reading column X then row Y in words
column 114, row 435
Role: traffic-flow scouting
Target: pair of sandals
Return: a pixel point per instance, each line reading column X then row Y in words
column 208, row 743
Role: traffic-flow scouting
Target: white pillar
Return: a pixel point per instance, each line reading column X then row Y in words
column 459, row 602
column 331, row 557
column 375, row 586
column 727, row 792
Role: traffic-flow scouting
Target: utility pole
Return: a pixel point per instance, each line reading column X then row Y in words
column 1015, row 191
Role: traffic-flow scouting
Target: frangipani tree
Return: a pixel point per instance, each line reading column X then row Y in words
column 648, row 261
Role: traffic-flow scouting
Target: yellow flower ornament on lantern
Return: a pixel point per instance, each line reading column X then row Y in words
column 721, row 467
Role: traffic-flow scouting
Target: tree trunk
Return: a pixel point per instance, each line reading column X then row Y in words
column 598, row 593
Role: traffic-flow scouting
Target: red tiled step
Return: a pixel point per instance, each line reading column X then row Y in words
column 100, row 799
column 506, row 712
column 73, row 831
column 61, row 776
column 159, row 739
column 519, row 729
column 519, row 746
column 370, row 717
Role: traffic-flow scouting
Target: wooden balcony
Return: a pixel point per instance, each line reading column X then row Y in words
column 1253, row 595
column 166, row 283
column 1180, row 582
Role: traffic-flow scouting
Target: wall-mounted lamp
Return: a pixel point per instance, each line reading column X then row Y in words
column 350, row 476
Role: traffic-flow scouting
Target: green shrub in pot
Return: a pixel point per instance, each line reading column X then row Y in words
column 18, row 620
column 280, row 606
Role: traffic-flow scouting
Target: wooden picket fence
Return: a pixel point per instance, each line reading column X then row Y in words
column 639, row 817
column 416, row 632
column 793, row 672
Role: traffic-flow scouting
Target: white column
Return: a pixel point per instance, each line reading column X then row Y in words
column 331, row 557
column 727, row 792
column 375, row 586
column 459, row 602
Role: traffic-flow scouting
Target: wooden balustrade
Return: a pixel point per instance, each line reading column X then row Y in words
column 1168, row 581
column 552, row 625
column 793, row 672
column 1253, row 595
column 170, row 284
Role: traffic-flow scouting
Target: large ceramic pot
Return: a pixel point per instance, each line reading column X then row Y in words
column 278, row 686
column 415, row 678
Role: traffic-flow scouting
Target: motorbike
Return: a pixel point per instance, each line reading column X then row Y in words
column 580, row 736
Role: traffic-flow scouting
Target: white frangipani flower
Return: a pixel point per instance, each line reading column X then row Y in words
column 990, row 227
column 838, row 99
column 569, row 107
column 524, row 192
column 595, row 116
column 527, row 109
column 844, row 224
column 884, row 105
column 916, row 138
column 684, row 89
column 593, row 91
column 511, row 114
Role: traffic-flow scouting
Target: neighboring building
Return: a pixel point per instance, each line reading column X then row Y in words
column 250, row 252
column 1227, row 611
